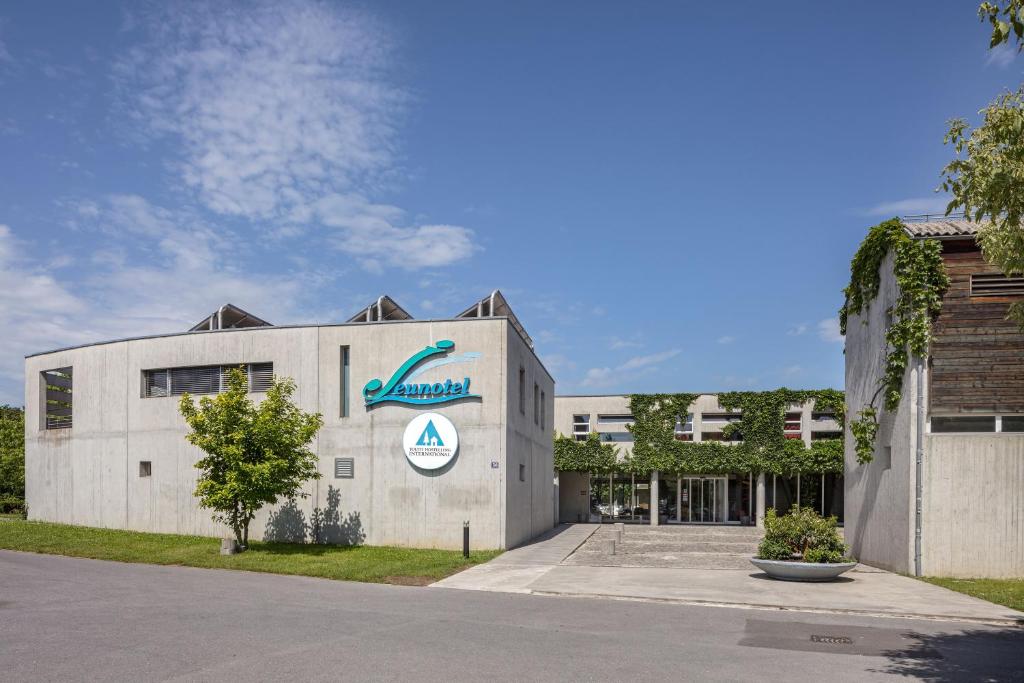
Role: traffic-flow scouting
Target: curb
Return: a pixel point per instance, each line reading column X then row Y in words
column 1018, row 623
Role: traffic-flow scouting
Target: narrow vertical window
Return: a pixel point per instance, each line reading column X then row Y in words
column 543, row 409
column 344, row 381
column 522, row 390
column 536, row 403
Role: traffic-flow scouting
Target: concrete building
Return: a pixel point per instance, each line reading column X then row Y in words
column 944, row 494
column 695, row 497
column 105, row 444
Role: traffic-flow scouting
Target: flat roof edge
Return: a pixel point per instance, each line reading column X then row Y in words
column 317, row 326
column 229, row 330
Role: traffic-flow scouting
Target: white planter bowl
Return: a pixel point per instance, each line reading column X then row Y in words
column 802, row 571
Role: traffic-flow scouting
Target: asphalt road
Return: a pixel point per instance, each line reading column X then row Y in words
column 70, row 619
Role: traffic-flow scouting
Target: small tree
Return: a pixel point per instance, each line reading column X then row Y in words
column 255, row 454
column 12, row 458
column 987, row 181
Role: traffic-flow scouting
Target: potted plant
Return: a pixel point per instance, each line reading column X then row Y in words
column 802, row 546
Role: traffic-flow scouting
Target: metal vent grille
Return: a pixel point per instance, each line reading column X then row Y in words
column 261, row 375
column 202, row 380
column 206, row 379
column 344, row 468
column 58, row 398
column 996, row 284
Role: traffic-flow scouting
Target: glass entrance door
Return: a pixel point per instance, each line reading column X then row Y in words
column 704, row 499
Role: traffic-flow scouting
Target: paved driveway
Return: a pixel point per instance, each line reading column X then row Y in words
column 73, row 619
column 569, row 561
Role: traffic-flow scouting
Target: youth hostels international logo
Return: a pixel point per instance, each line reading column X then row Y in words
column 430, row 441
column 402, row 389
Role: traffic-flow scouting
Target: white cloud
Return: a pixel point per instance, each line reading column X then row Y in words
column 726, row 339
column 369, row 232
column 828, row 330
column 1001, row 55
column 792, row 370
column 286, row 115
column 617, row 343
column 274, row 103
column 115, row 294
column 607, row 376
column 909, row 207
column 797, row 330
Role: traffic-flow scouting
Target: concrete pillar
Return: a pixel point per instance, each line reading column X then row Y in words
column 760, row 500
column 654, row 498
column 679, row 499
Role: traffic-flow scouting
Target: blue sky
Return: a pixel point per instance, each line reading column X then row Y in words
column 669, row 195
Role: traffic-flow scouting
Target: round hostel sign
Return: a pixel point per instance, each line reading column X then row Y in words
column 430, row 441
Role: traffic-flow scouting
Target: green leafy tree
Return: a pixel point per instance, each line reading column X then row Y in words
column 255, row 454
column 986, row 180
column 12, row 458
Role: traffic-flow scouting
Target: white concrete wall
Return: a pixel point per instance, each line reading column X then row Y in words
column 573, row 496
column 530, row 503
column 89, row 474
column 879, row 496
column 973, row 513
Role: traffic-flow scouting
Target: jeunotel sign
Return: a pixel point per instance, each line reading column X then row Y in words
column 400, row 390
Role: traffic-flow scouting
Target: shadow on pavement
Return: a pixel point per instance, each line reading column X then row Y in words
column 989, row 654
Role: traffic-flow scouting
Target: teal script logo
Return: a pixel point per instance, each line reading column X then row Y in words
column 400, row 388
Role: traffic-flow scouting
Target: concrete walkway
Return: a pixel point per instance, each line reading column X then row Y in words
column 515, row 570
column 547, row 567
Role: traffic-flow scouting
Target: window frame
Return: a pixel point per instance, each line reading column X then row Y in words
column 997, row 427
column 265, row 372
column 52, row 403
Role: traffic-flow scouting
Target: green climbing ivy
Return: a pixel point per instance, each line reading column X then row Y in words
column 584, row 456
column 764, row 447
column 922, row 280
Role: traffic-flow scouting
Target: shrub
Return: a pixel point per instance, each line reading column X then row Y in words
column 803, row 534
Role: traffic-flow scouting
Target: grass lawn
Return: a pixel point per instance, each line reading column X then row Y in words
column 407, row 566
column 1007, row 592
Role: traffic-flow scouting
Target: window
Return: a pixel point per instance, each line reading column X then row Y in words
column 57, row 385
column 1013, row 423
column 964, row 423
column 522, row 390
column 996, row 285
column 543, row 409
column 792, row 425
column 205, row 379
column 604, row 419
column 818, row 436
column 344, row 468
column 616, row 437
column 536, row 403
column 344, row 381
column 721, row 417
column 977, row 424
column 522, row 472
column 684, row 430
column 580, row 427
column 145, row 468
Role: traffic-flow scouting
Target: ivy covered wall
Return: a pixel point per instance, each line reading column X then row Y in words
column 764, row 447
